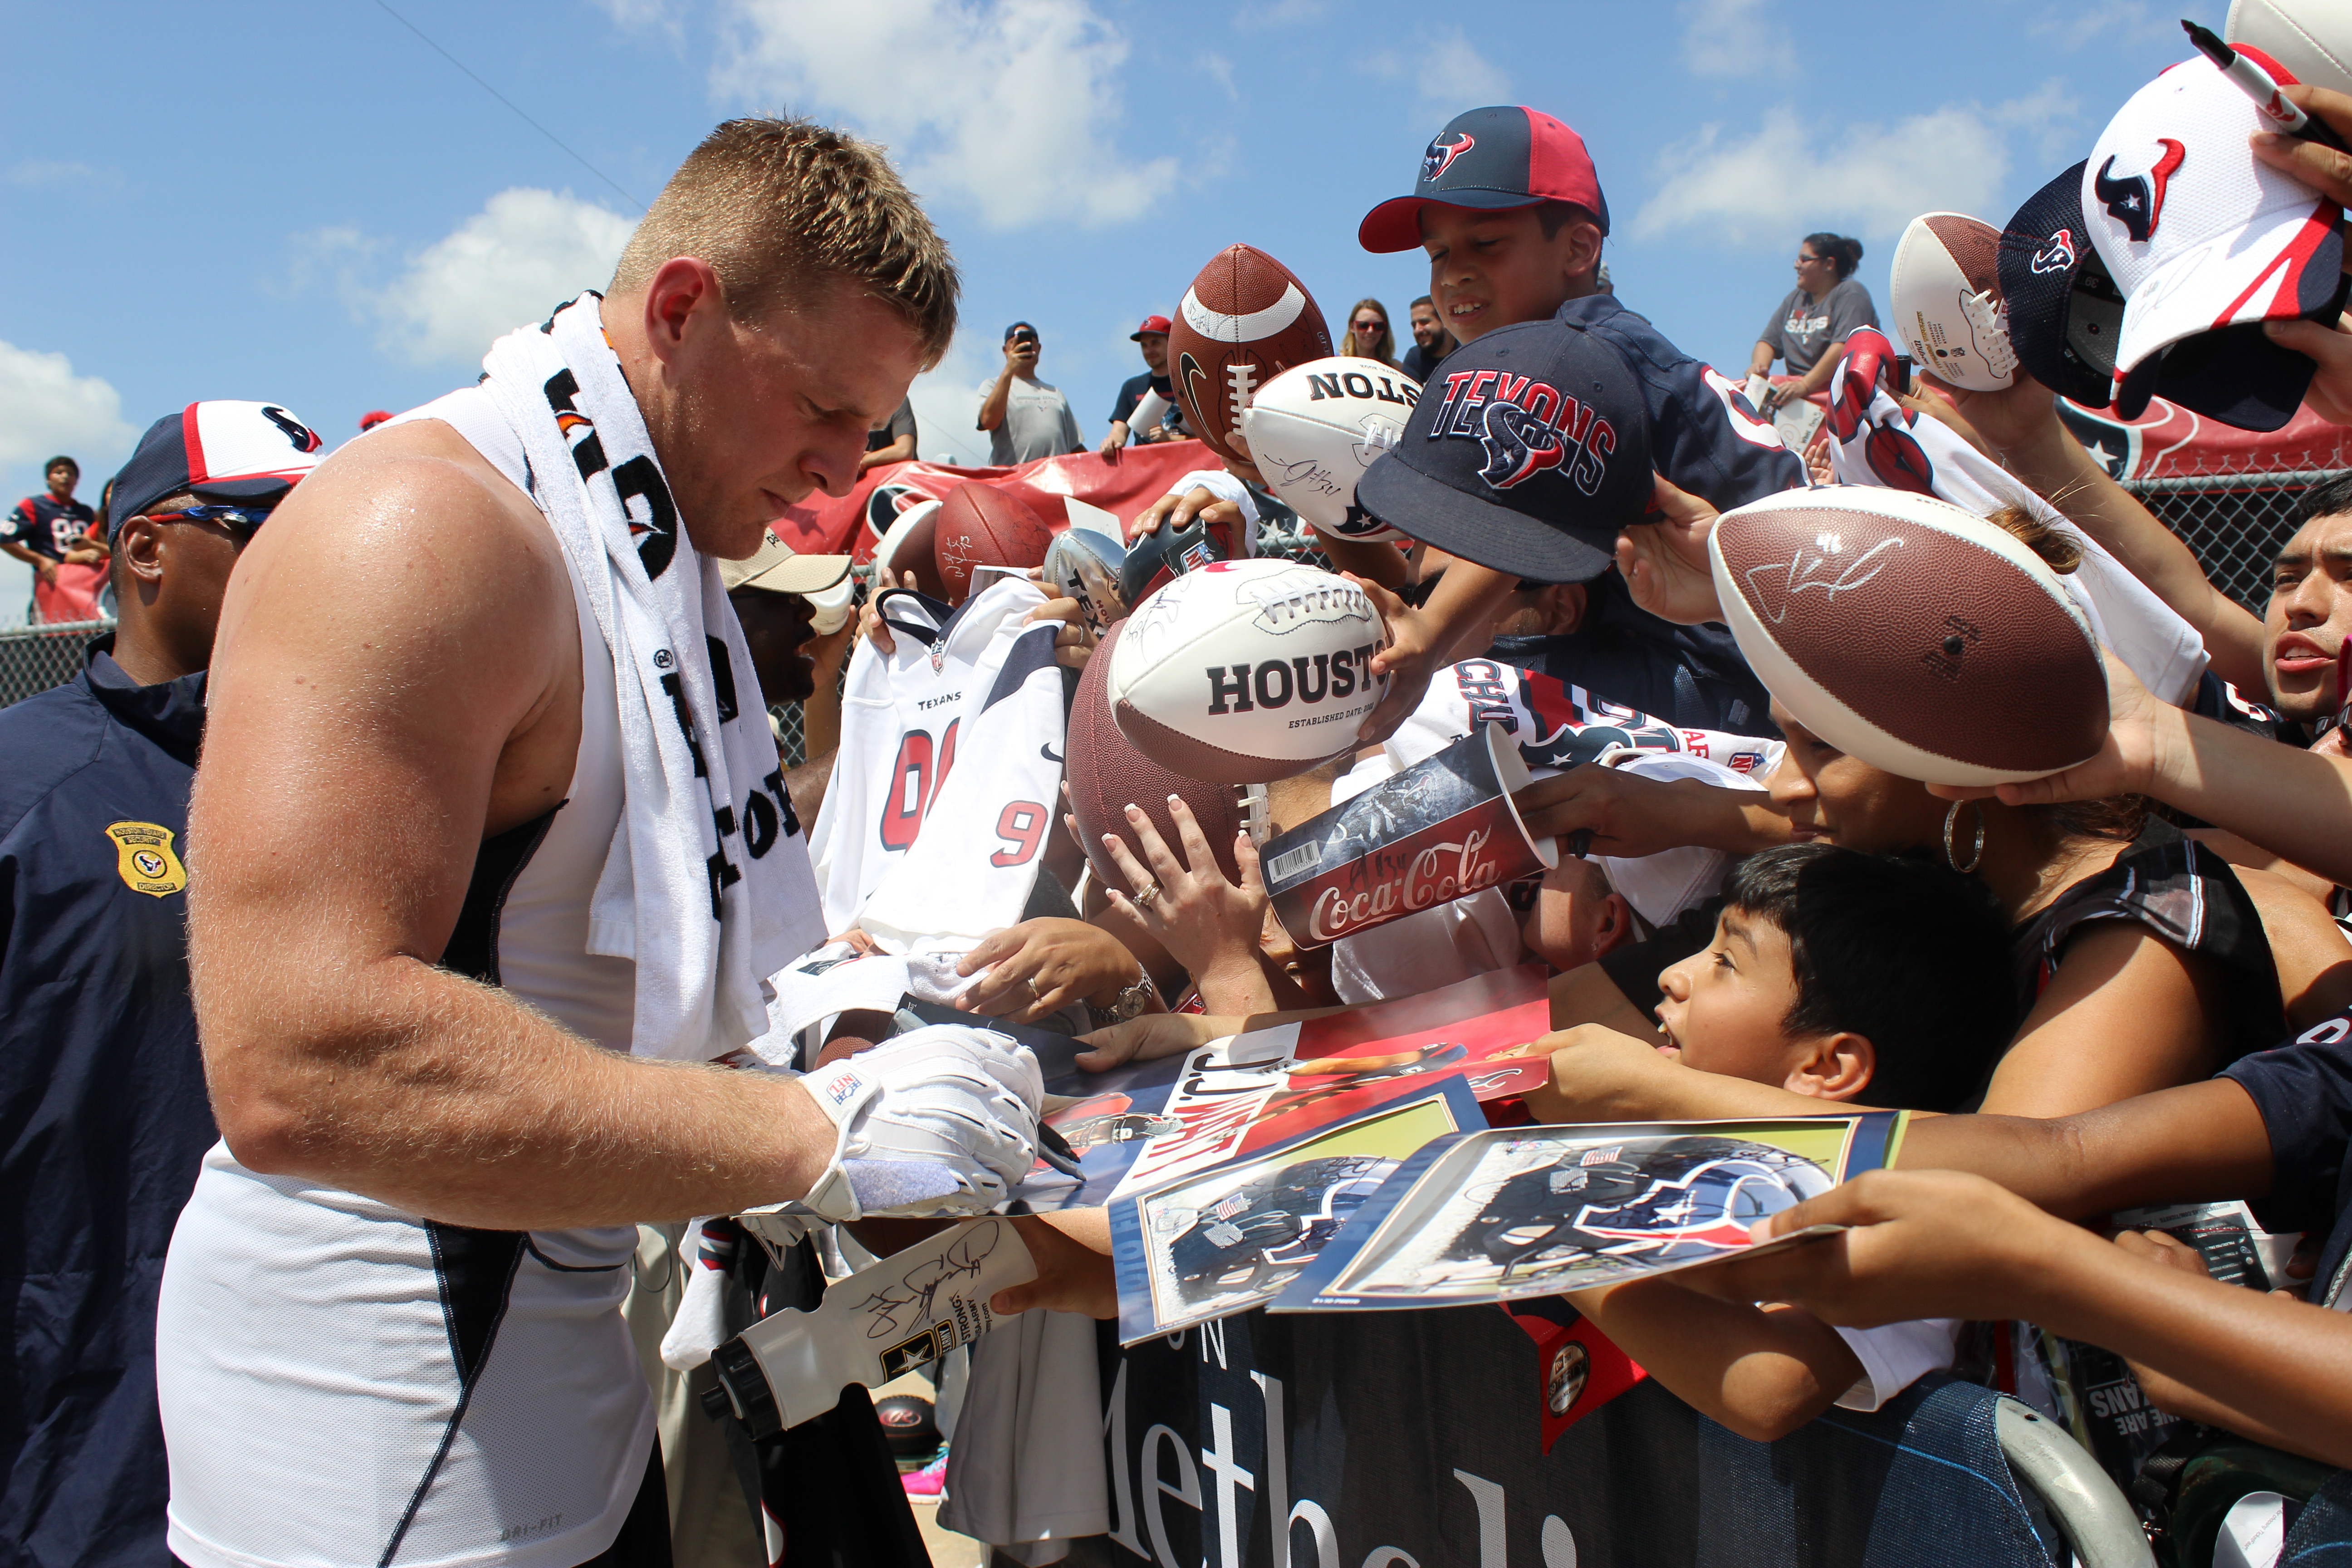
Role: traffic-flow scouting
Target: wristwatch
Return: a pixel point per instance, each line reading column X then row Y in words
column 1129, row 1002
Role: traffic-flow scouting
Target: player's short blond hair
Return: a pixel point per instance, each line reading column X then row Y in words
column 777, row 205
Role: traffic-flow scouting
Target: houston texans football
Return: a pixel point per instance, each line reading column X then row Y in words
column 981, row 525
column 1315, row 428
column 1247, row 671
column 1106, row 774
column 1914, row 635
column 1944, row 294
column 1245, row 320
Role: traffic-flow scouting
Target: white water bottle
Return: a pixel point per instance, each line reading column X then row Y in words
column 881, row 1321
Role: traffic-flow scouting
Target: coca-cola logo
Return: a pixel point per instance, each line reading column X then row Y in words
column 1439, row 874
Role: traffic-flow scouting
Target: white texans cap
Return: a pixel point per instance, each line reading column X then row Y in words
column 2313, row 38
column 1660, row 887
column 2206, row 243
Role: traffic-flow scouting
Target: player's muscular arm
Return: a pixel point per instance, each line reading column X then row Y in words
column 397, row 676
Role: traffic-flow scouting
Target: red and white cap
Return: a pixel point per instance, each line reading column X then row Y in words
column 221, row 452
column 2200, row 237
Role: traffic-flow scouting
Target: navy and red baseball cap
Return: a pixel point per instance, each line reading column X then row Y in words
column 1159, row 324
column 222, row 453
column 1529, row 450
column 1494, row 159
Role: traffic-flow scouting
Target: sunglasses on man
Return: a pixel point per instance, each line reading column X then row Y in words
column 242, row 522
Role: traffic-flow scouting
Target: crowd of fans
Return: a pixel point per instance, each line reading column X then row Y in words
column 2123, row 986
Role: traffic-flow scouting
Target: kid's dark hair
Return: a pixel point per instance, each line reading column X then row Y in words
column 1909, row 955
column 1839, row 251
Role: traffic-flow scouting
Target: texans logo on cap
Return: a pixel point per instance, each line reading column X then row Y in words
column 1442, row 153
column 2136, row 201
column 2058, row 256
column 1542, row 426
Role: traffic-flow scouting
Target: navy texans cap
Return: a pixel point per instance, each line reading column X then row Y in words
column 223, row 453
column 1527, row 451
column 1497, row 159
column 2065, row 313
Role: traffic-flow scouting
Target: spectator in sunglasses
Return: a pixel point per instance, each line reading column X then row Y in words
column 1368, row 333
column 99, row 1075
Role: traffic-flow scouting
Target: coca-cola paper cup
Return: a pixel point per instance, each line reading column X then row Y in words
column 1442, row 828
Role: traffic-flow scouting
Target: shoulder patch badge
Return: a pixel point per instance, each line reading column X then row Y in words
column 144, row 858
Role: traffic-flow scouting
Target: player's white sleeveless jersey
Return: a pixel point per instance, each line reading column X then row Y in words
column 911, row 747
column 1555, row 725
column 346, row 1386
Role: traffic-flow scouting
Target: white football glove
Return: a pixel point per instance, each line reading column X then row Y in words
column 939, row 1121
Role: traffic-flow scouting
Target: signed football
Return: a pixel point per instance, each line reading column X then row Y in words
column 1944, row 294
column 979, row 525
column 1247, row 671
column 1915, row 635
column 1106, row 774
column 1315, row 428
column 1245, row 320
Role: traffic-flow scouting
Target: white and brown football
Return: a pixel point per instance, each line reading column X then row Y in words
column 1247, row 671
column 1106, row 774
column 1911, row 634
column 1944, row 294
column 1315, row 428
column 979, row 525
column 1245, row 320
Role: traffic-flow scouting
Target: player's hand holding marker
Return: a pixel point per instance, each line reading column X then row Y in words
column 2329, row 172
column 935, row 1123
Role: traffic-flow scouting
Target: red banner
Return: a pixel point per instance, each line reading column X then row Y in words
column 855, row 523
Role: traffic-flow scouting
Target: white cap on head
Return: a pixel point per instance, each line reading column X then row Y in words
column 1661, row 887
column 2195, row 231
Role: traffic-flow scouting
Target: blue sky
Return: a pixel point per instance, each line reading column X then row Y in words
column 308, row 205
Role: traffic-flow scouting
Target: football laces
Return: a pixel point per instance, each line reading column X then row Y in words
column 1991, row 324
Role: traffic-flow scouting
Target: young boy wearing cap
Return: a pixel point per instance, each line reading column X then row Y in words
column 1847, row 977
column 100, row 1073
column 1509, row 209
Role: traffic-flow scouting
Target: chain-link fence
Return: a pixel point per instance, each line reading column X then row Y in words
column 2235, row 523
column 34, row 659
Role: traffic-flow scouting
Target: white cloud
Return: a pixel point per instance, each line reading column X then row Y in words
column 1786, row 176
column 2109, row 22
column 1012, row 108
column 947, row 409
column 1735, row 39
column 1452, row 75
column 46, row 408
column 49, row 172
column 1280, row 13
column 525, row 251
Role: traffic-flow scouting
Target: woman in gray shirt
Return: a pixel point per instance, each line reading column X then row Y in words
column 1808, row 329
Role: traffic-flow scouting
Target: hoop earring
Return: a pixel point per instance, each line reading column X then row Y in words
column 1976, row 855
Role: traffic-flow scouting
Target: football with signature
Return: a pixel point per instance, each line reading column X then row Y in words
column 1913, row 634
column 1315, row 428
column 1246, row 671
column 1245, row 320
column 1105, row 775
column 979, row 525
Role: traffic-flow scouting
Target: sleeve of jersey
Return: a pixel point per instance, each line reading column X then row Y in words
column 1704, row 436
column 18, row 526
column 969, row 872
column 1555, row 726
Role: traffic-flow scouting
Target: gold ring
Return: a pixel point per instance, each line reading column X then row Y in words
column 1150, row 891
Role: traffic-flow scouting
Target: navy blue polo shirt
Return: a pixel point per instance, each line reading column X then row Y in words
column 103, row 1118
column 2303, row 1091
